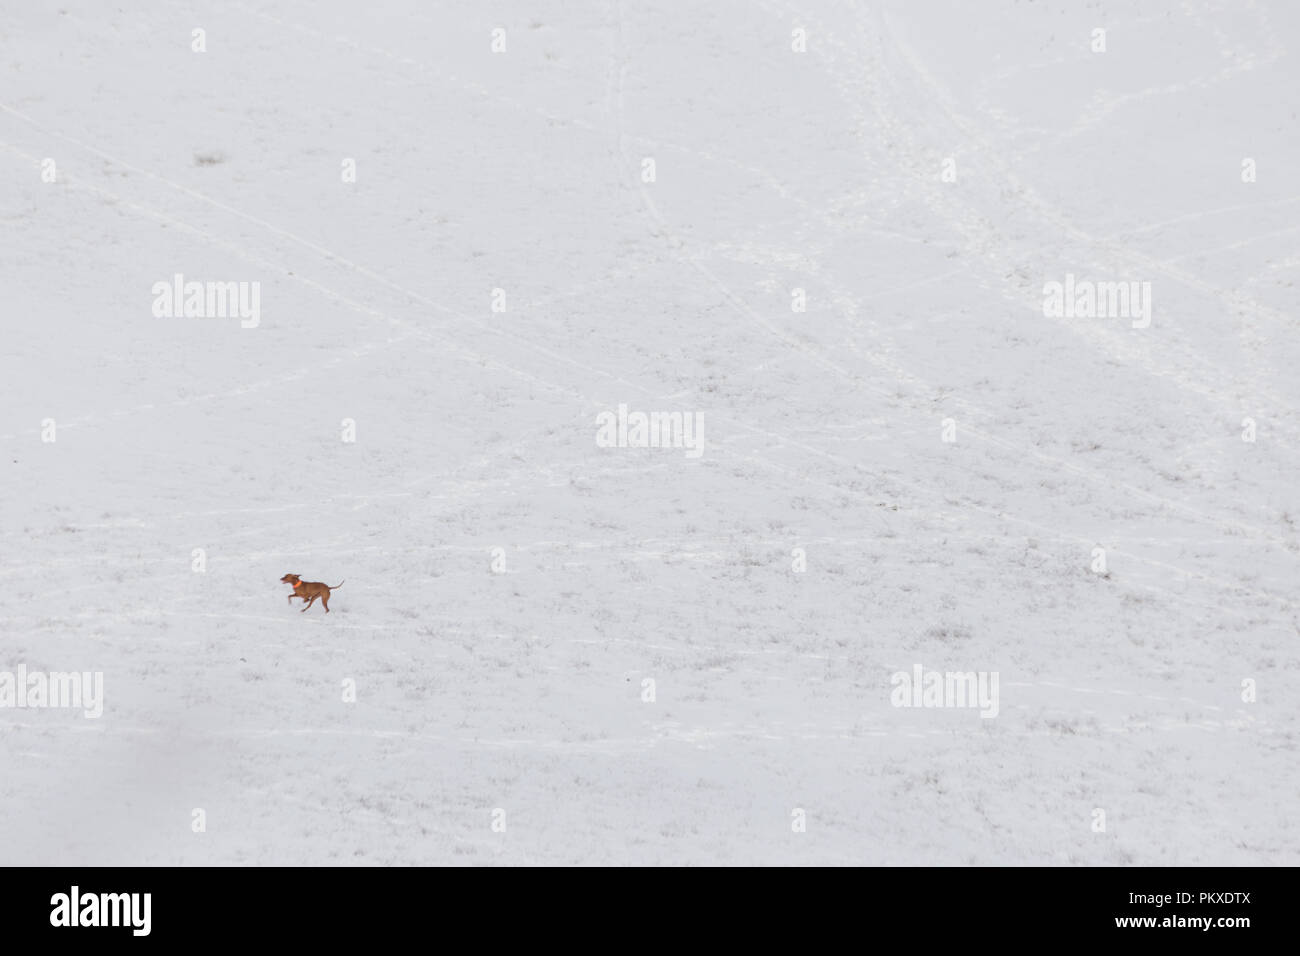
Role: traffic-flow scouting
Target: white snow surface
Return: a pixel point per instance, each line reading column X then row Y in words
column 517, row 695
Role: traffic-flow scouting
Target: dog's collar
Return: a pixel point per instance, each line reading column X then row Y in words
column 297, row 585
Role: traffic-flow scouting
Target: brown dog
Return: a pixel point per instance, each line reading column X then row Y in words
column 309, row 591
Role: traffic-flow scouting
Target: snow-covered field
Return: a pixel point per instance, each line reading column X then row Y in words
column 670, row 659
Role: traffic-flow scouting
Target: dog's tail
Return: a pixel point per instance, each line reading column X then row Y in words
column 337, row 586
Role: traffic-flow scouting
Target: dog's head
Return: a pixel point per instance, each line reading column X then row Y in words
column 290, row 579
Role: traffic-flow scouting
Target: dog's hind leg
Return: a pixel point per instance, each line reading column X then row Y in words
column 325, row 602
column 309, row 603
